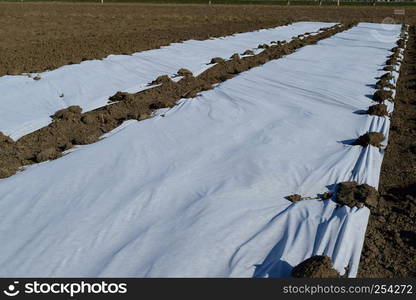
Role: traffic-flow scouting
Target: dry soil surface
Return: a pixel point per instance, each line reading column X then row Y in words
column 39, row 36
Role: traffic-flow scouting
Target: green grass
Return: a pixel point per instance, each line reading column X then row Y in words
column 247, row 2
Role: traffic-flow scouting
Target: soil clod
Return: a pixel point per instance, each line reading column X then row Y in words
column 235, row 56
column 388, row 68
column 378, row 110
column 352, row 194
column 69, row 113
column 47, row 154
column 263, row 46
column 317, row 266
column 5, row 139
column 248, row 52
column 386, row 76
column 381, row 84
column 184, row 72
column 382, row 95
column 161, row 80
column 392, row 61
column 217, row 60
column 120, row 96
column 370, row 139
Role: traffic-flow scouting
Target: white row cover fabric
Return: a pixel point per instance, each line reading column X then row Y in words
column 201, row 191
column 27, row 104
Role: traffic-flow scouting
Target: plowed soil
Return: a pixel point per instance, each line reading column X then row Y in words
column 39, row 36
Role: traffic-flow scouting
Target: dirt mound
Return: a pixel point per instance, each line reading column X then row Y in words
column 392, row 61
column 353, row 194
column 184, row 72
column 388, row 68
column 317, row 266
column 5, row 138
column 119, row 96
column 384, row 84
column 386, row 76
column 68, row 113
column 263, row 46
column 401, row 43
column 217, row 60
column 382, row 95
column 370, row 138
column 72, row 127
column 248, row 52
column 47, row 154
column 378, row 110
column 235, row 56
column 161, row 80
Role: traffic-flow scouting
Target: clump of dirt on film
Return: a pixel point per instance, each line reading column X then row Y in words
column 384, row 84
column 352, row 194
column 317, row 266
column 382, row 95
column 370, row 139
column 72, row 127
column 378, row 110
column 390, row 244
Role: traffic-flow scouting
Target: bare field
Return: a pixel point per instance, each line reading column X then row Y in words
column 39, row 36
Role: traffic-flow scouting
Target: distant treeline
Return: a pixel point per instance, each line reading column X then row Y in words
column 258, row 2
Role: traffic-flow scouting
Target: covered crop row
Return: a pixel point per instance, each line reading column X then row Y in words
column 200, row 189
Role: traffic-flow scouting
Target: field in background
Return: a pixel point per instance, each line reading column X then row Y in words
column 51, row 35
column 243, row 2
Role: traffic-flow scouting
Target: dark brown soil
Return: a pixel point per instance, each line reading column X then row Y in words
column 217, row 60
column 315, row 267
column 378, row 110
column 390, row 244
column 72, row 127
column 370, row 139
column 388, row 68
column 38, row 36
column 248, row 52
column 384, row 84
column 392, row 61
column 386, row 76
column 263, row 46
column 353, row 194
column 184, row 72
column 382, row 95
column 235, row 56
